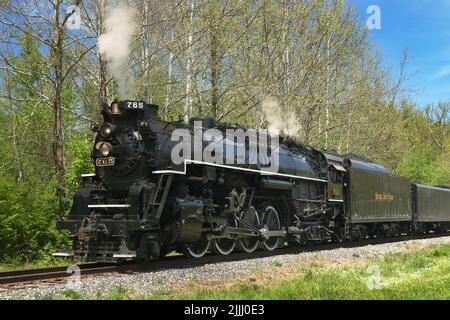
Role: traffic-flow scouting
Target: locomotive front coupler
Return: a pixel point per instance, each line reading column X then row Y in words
column 92, row 229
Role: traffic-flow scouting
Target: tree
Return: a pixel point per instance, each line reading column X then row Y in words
column 439, row 124
column 47, row 24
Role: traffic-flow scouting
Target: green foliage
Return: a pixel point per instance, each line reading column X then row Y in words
column 79, row 148
column 425, row 156
column 47, row 262
column 72, row 294
column 28, row 206
column 118, row 293
column 420, row 164
column 28, row 213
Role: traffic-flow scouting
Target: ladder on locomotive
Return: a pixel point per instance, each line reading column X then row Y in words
column 159, row 195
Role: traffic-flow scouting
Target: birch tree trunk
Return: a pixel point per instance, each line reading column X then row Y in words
column 214, row 74
column 57, row 66
column 146, row 55
column 169, row 77
column 103, row 68
column 189, row 63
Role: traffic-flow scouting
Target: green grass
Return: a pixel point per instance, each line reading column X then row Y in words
column 54, row 262
column 276, row 263
column 72, row 294
column 422, row 274
column 173, row 254
column 118, row 293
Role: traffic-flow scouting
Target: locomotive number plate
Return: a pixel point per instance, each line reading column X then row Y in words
column 105, row 162
column 134, row 105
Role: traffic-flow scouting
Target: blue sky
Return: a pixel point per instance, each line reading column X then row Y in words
column 422, row 26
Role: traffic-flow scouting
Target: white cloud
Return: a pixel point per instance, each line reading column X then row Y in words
column 441, row 73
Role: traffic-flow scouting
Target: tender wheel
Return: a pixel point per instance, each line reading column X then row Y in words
column 225, row 246
column 271, row 219
column 197, row 249
column 249, row 244
column 359, row 233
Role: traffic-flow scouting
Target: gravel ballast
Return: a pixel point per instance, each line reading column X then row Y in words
column 161, row 280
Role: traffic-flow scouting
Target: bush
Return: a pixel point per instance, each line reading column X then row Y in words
column 79, row 148
column 28, row 215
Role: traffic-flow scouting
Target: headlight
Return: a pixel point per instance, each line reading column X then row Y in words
column 107, row 129
column 105, row 148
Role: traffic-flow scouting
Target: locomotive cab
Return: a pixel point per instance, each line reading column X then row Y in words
column 336, row 174
column 336, row 177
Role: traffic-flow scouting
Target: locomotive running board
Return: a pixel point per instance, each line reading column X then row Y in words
column 261, row 172
column 124, row 256
column 88, row 175
column 92, row 206
column 63, row 254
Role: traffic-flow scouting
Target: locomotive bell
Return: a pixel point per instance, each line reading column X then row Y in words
column 115, row 109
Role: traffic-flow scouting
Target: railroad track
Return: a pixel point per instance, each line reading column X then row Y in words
column 20, row 278
column 8, row 278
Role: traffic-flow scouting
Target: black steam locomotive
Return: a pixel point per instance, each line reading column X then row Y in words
column 142, row 204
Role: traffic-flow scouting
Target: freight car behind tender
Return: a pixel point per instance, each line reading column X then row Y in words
column 431, row 207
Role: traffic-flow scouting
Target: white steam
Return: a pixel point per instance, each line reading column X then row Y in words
column 115, row 44
column 280, row 121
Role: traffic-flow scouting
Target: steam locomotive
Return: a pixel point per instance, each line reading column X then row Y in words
column 150, row 194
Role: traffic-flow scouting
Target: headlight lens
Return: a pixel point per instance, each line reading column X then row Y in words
column 107, row 129
column 105, row 149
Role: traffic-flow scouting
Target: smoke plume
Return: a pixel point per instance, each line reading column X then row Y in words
column 115, row 44
column 280, row 121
